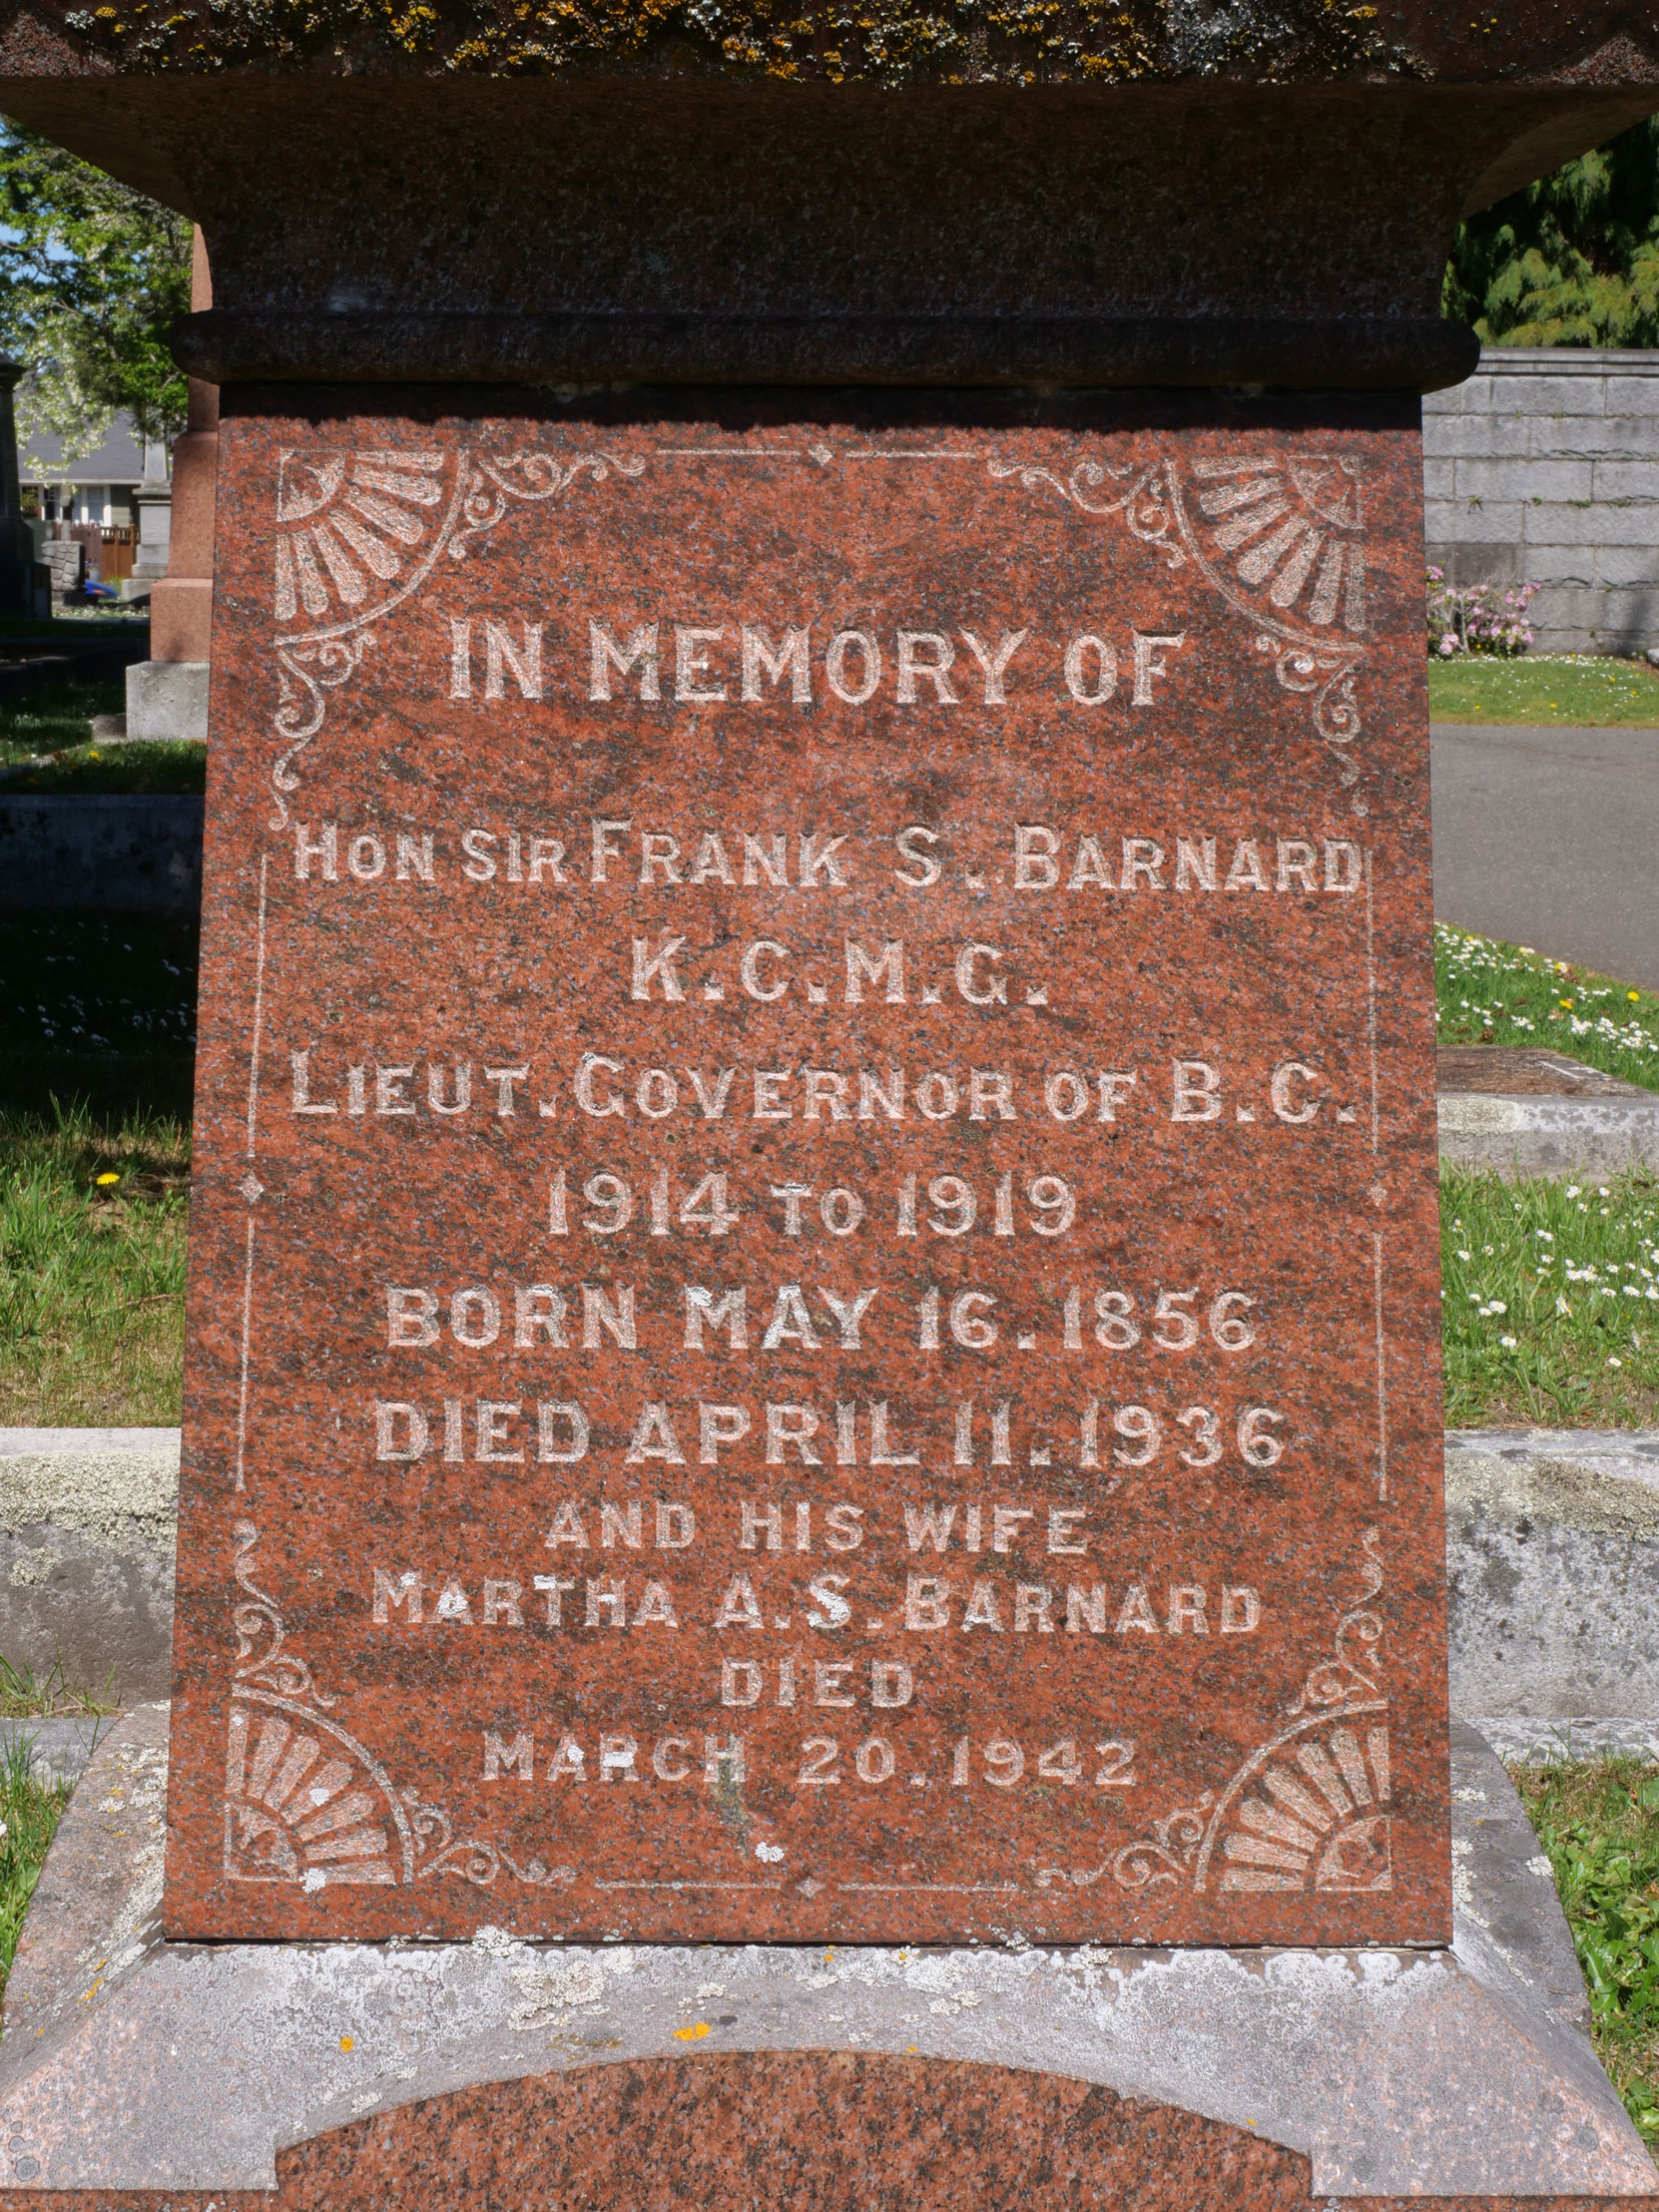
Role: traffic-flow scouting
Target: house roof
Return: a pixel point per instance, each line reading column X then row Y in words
column 119, row 460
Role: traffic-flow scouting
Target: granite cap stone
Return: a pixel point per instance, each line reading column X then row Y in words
column 1164, row 193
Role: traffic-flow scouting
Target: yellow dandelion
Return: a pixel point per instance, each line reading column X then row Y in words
column 105, row 1179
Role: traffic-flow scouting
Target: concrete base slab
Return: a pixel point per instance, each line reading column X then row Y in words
column 1528, row 1135
column 132, row 2062
column 88, row 1525
column 168, row 699
column 1552, row 1558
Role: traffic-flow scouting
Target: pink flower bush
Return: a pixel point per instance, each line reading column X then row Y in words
column 1473, row 618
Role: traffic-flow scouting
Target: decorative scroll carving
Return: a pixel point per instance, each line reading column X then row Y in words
column 304, row 1800
column 1307, row 1809
column 358, row 534
column 1280, row 540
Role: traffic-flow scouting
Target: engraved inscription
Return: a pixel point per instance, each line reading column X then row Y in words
column 814, row 1264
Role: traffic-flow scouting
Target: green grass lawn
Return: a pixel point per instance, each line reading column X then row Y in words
column 56, row 718
column 1599, row 1826
column 1491, row 993
column 97, row 1045
column 142, row 765
column 1541, row 688
column 92, row 1271
column 28, row 1816
column 1550, row 1316
column 47, row 746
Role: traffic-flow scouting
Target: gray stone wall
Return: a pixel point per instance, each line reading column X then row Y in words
column 1545, row 468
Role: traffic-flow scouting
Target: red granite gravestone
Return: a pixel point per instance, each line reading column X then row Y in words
column 814, row 1312
column 814, row 1306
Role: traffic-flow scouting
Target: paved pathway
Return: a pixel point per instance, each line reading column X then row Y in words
column 1550, row 838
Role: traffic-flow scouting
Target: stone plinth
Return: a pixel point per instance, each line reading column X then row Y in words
column 712, row 2076
column 167, row 696
column 1153, row 196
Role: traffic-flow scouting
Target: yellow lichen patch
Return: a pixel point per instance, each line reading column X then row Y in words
column 890, row 42
column 692, row 2035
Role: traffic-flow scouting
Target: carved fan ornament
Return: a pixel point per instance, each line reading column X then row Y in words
column 1280, row 540
column 360, row 533
column 306, row 1803
column 1309, row 1810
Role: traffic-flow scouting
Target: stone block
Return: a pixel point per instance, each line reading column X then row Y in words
column 168, row 699
column 1589, row 437
column 1476, row 562
column 1551, row 1136
column 1438, row 478
column 1549, row 1538
column 1523, row 480
column 1440, row 406
column 1551, row 522
column 1627, row 567
column 1636, row 396
column 1471, row 522
column 1627, row 622
column 1477, row 437
column 1634, row 479
column 1553, row 396
column 88, row 1519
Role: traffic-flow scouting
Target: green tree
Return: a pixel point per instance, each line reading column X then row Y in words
column 92, row 275
column 1573, row 260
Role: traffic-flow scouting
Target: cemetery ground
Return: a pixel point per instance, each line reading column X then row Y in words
column 1598, row 1822
column 47, row 745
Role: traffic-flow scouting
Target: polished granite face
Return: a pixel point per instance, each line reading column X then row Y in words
column 814, row 1307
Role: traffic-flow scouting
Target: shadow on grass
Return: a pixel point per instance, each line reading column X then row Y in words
column 97, row 1056
column 56, row 716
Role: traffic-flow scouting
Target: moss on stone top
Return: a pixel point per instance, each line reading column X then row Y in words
column 875, row 42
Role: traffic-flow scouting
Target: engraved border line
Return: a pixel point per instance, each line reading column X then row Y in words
column 251, row 1186
column 1371, row 1002
column 1381, row 1370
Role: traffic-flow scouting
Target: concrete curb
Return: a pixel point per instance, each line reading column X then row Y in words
column 59, row 1750
column 1552, row 1558
column 1550, row 1136
column 137, row 853
column 1548, row 1743
column 88, row 1525
column 1552, row 1553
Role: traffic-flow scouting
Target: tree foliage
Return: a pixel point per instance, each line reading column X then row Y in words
column 92, row 275
column 1573, row 260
